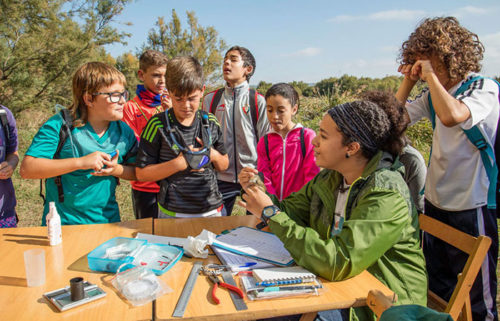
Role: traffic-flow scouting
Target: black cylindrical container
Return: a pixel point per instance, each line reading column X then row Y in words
column 76, row 288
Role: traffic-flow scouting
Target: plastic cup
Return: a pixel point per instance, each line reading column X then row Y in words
column 34, row 264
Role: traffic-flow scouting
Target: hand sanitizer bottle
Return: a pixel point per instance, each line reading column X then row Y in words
column 54, row 225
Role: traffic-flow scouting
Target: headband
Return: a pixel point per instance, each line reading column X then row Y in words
column 351, row 124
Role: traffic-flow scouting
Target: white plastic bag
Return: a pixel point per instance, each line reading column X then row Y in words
column 139, row 285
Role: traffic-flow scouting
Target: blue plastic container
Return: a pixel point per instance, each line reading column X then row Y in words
column 112, row 254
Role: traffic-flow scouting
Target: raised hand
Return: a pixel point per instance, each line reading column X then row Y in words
column 405, row 70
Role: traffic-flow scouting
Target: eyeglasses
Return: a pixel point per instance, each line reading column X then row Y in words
column 115, row 96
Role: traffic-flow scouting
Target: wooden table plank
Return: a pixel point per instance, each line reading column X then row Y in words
column 352, row 292
column 63, row 262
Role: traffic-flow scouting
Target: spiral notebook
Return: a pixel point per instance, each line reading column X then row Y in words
column 283, row 275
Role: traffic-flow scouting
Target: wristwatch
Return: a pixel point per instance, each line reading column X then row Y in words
column 267, row 213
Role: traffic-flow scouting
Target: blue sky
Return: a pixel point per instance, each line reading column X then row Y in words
column 316, row 39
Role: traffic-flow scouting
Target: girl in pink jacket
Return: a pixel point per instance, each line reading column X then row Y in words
column 285, row 154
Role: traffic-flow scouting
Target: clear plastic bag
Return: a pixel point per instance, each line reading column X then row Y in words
column 139, row 285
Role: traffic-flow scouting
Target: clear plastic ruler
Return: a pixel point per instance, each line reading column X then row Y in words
column 188, row 288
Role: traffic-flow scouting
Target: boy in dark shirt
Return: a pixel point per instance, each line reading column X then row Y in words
column 182, row 147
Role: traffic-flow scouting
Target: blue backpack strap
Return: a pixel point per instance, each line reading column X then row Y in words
column 477, row 139
column 460, row 90
column 488, row 157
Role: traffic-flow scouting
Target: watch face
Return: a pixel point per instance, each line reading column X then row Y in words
column 268, row 211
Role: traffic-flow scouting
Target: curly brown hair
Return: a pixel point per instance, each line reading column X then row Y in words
column 398, row 117
column 459, row 49
column 384, row 120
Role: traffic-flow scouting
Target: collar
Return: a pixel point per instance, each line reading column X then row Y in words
column 297, row 126
column 379, row 161
column 241, row 87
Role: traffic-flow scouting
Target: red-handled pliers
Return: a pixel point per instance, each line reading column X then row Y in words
column 215, row 280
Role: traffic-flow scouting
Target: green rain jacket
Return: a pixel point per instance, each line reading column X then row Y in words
column 380, row 232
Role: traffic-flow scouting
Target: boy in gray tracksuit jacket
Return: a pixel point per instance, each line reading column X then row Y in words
column 241, row 112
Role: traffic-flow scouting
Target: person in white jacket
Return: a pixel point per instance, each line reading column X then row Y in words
column 241, row 112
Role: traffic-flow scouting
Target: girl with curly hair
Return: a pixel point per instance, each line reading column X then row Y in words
column 357, row 213
column 447, row 56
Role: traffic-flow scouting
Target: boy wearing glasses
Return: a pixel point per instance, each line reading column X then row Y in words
column 99, row 150
column 151, row 99
column 182, row 147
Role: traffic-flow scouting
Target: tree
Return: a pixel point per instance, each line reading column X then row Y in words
column 263, row 86
column 302, row 88
column 128, row 64
column 202, row 43
column 42, row 42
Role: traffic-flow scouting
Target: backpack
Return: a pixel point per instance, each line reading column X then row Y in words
column 302, row 144
column 254, row 107
column 5, row 123
column 475, row 136
column 64, row 133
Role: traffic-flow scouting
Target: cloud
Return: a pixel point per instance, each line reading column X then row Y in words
column 403, row 14
column 396, row 15
column 382, row 16
column 370, row 64
column 491, row 61
column 469, row 11
column 344, row 18
column 491, row 44
column 306, row 52
column 389, row 49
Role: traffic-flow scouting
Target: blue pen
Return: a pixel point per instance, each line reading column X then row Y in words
column 244, row 267
column 112, row 154
column 247, row 265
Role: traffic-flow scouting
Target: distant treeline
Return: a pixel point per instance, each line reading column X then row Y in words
column 344, row 85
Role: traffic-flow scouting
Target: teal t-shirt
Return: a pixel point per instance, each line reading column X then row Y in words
column 87, row 199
